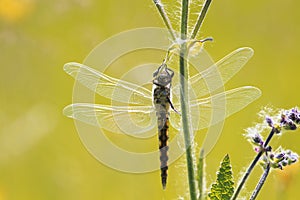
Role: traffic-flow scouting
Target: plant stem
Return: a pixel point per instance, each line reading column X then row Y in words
column 184, row 18
column 200, row 18
column 250, row 168
column 184, row 99
column 260, row 183
column 235, row 195
column 165, row 18
column 269, row 137
column 200, row 177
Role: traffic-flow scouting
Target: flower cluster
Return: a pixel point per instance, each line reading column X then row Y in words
column 290, row 119
column 256, row 139
column 279, row 158
column 286, row 120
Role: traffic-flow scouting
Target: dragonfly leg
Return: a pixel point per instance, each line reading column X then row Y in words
column 172, row 106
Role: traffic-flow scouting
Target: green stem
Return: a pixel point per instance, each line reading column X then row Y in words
column 165, row 18
column 260, row 183
column 200, row 18
column 200, row 177
column 184, row 99
column 184, row 18
column 250, row 168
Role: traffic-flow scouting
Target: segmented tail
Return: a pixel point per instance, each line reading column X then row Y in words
column 163, row 147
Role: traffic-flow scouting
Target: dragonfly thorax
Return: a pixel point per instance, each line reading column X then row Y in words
column 161, row 96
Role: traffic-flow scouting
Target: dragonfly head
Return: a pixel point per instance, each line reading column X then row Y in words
column 163, row 75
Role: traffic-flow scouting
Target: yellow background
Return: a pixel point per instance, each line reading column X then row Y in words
column 41, row 156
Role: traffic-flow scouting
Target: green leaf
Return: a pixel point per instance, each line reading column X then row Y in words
column 223, row 188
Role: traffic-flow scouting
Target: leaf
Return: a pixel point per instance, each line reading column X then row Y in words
column 223, row 188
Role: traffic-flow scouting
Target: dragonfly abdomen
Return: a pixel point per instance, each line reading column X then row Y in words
column 161, row 96
column 163, row 148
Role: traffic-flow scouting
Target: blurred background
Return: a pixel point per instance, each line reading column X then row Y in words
column 41, row 155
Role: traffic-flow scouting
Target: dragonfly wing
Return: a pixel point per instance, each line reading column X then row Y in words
column 209, row 111
column 129, row 120
column 107, row 86
column 207, row 81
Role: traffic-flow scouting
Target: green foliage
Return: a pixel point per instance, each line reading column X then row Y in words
column 223, row 188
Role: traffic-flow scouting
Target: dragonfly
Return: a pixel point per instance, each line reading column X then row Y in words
column 149, row 109
column 162, row 81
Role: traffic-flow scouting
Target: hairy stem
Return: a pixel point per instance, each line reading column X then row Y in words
column 250, row 168
column 184, row 99
column 246, row 175
column 260, row 183
column 200, row 18
column 165, row 18
column 200, row 177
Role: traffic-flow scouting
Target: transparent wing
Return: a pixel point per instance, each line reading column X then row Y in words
column 107, row 86
column 206, row 82
column 208, row 111
column 129, row 120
